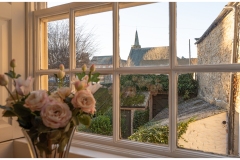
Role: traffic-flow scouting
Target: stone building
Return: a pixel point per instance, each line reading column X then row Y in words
column 219, row 45
column 150, row 56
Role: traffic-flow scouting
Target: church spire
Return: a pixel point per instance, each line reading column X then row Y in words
column 136, row 43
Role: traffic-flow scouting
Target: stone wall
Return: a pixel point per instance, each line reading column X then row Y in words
column 208, row 134
column 216, row 48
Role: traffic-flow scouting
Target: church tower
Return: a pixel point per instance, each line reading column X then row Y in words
column 136, row 42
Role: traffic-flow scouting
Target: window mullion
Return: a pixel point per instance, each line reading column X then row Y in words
column 72, row 52
column 116, row 77
column 172, row 79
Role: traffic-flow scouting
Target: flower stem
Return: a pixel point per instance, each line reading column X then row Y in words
column 10, row 94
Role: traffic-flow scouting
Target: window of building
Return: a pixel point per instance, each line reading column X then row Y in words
column 151, row 102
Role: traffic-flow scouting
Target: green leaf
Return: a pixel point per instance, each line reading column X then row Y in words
column 94, row 77
column 54, row 135
column 80, row 75
column 62, row 144
column 20, row 110
column 43, row 129
column 67, row 127
column 18, row 76
column 75, row 121
column 85, row 119
column 6, row 108
column 9, row 113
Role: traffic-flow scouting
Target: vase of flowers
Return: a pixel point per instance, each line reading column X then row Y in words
column 49, row 119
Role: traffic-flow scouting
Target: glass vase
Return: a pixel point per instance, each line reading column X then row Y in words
column 51, row 147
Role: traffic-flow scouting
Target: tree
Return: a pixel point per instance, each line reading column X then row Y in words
column 58, row 44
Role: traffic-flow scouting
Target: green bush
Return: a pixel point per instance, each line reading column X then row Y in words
column 101, row 125
column 154, row 133
column 140, row 118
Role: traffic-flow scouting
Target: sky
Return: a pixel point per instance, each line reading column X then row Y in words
column 152, row 23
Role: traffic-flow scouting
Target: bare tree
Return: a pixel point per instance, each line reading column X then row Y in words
column 58, row 44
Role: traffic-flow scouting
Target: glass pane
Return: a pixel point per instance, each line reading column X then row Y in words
column 102, row 120
column 144, row 35
column 50, row 83
column 55, row 50
column 93, row 38
column 208, row 112
column 144, row 108
column 199, row 40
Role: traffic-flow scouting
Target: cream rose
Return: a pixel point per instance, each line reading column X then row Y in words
column 55, row 114
column 84, row 99
column 36, row 100
column 64, row 92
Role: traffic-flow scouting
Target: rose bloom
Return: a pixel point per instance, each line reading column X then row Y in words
column 24, row 87
column 55, row 114
column 84, row 99
column 64, row 92
column 36, row 100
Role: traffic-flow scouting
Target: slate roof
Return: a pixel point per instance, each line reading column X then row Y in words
column 166, row 62
column 102, row 60
column 136, row 54
column 196, row 107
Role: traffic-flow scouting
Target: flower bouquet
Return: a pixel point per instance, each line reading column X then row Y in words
column 48, row 120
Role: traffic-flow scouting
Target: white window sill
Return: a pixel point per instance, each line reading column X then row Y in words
column 21, row 151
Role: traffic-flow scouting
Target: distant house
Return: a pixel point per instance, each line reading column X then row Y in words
column 104, row 62
column 208, row 132
column 152, row 55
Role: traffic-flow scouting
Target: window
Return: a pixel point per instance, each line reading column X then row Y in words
column 155, row 104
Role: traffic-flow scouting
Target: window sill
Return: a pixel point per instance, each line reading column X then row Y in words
column 75, row 152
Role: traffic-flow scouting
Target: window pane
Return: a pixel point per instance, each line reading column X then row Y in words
column 207, row 119
column 93, row 38
column 199, row 40
column 51, row 84
column 143, row 98
column 144, row 35
column 102, row 120
column 55, row 50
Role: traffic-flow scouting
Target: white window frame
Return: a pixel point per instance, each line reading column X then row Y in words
column 113, row 144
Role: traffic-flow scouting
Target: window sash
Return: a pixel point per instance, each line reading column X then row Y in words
column 172, row 70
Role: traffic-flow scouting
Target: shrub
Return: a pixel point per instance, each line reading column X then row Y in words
column 154, row 133
column 101, row 125
column 140, row 118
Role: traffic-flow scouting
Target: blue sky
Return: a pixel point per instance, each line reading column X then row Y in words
column 151, row 22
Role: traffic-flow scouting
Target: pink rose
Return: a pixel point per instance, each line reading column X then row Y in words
column 55, row 114
column 36, row 100
column 23, row 87
column 84, row 99
column 63, row 92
